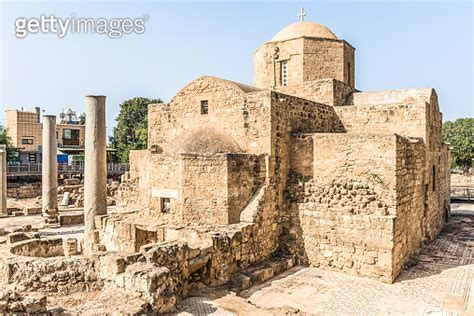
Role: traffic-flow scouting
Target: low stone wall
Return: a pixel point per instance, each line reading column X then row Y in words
column 27, row 191
column 45, row 248
column 462, row 179
column 57, row 274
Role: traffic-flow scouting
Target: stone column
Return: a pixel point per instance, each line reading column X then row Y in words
column 49, row 174
column 3, row 179
column 95, row 168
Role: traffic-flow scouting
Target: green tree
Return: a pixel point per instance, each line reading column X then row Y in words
column 460, row 135
column 5, row 140
column 132, row 127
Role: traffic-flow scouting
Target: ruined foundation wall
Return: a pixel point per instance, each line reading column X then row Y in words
column 26, row 191
column 54, row 275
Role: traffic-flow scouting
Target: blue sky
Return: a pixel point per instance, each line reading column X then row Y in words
column 398, row 45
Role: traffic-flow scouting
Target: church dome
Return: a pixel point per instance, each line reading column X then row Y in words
column 303, row 28
column 204, row 140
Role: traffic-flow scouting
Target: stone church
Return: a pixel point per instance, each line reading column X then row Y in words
column 300, row 167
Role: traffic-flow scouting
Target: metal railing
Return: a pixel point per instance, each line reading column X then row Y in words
column 34, row 169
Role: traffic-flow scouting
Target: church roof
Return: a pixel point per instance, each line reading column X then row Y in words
column 204, row 140
column 303, row 28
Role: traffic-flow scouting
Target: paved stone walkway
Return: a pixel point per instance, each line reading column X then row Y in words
column 438, row 281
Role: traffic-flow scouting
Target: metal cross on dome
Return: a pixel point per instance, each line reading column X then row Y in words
column 302, row 14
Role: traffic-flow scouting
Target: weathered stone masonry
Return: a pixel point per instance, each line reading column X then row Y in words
column 240, row 183
column 348, row 176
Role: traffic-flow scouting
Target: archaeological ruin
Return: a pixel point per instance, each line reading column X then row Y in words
column 240, row 183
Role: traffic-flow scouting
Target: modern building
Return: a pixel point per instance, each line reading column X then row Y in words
column 25, row 131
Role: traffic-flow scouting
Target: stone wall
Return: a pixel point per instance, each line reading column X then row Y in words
column 204, row 190
column 307, row 58
column 302, row 154
column 289, row 51
column 411, row 113
column 245, row 175
column 342, row 215
column 391, row 96
column 325, row 91
column 407, row 119
column 55, row 275
column 325, row 58
column 361, row 201
column 462, row 179
column 30, row 190
column 158, row 176
column 408, row 229
column 240, row 112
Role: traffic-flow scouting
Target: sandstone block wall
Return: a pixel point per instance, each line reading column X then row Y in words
column 54, row 275
column 462, row 179
column 206, row 189
column 361, row 201
column 345, row 211
column 408, row 228
column 31, row 190
column 241, row 112
column 289, row 51
column 307, row 58
column 326, row 91
column 407, row 119
column 245, row 175
column 412, row 113
column 325, row 58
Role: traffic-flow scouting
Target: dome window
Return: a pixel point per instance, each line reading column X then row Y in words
column 284, row 73
column 204, row 107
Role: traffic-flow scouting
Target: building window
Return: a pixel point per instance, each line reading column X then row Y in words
column 27, row 141
column 284, row 73
column 71, row 134
column 165, row 204
column 32, row 158
column 434, row 178
column 71, row 137
column 204, row 107
column 349, row 73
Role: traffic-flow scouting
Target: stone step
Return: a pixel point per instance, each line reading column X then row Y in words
column 260, row 273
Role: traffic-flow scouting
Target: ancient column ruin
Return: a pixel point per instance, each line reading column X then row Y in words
column 95, row 171
column 3, row 179
column 49, row 168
